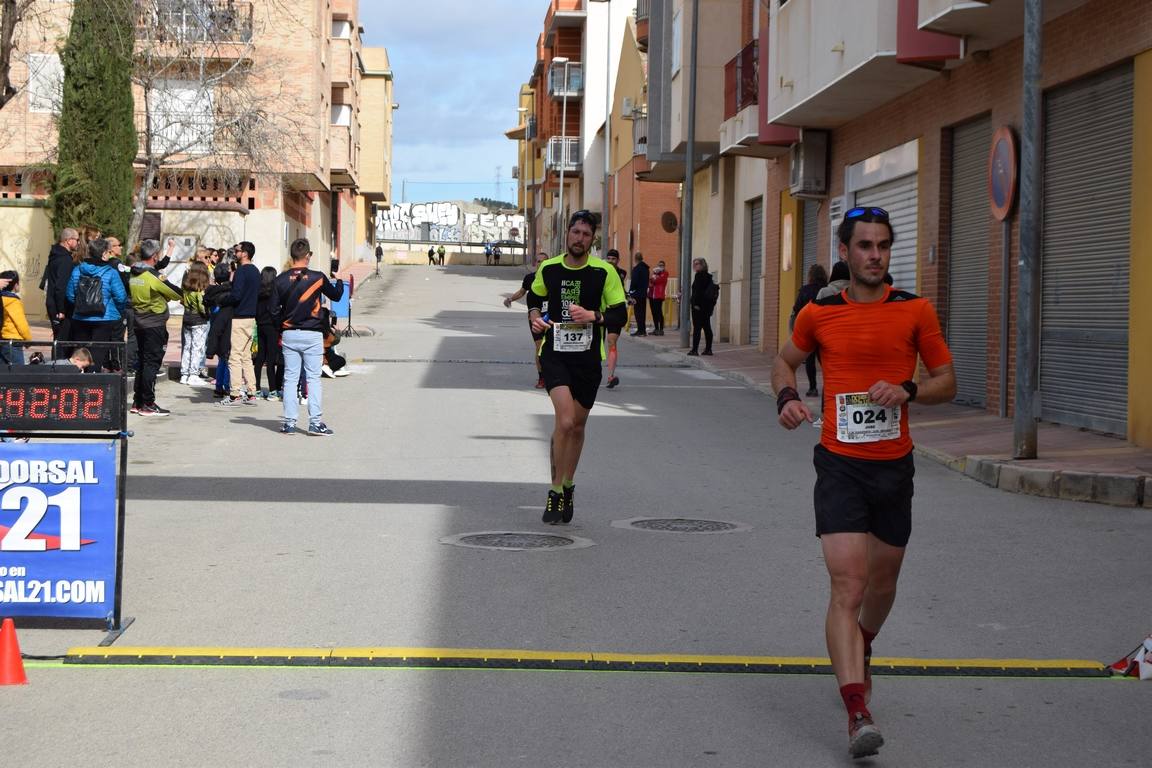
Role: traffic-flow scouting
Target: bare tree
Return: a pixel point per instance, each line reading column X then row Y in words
column 11, row 14
column 207, row 105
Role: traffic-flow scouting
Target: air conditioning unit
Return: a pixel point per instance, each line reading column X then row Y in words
column 626, row 107
column 808, row 175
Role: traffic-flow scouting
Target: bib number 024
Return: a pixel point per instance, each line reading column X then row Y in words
column 21, row 537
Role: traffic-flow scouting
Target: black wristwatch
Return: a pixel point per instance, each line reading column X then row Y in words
column 911, row 388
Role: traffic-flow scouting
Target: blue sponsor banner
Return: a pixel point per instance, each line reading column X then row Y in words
column 58, row 530
column 342, row 308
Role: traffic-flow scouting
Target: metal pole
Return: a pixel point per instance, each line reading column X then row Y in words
column 557, row 239
column 1005, row 305
column 1028, row 309
column 689, row 186
column 607, row 216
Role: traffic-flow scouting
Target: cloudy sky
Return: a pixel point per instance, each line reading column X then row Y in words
column 458, row 66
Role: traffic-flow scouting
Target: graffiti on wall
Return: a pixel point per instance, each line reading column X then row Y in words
column 445, row 222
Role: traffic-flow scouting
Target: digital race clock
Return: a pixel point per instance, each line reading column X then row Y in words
column 46, row 401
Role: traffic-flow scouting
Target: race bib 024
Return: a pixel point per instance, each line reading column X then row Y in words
column 859, row 420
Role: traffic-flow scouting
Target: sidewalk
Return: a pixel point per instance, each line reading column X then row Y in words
column 1073, row 464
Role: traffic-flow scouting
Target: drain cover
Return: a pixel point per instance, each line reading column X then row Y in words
column 516, row 541
column 680, row 525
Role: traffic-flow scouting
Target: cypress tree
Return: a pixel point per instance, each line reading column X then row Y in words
column 94, row 177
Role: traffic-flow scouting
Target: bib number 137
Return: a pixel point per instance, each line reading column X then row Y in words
column 21, row 537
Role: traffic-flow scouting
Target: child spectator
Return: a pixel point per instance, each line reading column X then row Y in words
column 195, row 324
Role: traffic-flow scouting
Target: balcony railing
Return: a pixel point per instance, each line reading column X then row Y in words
column 194, row 21
column 640, row 135
column 741, row 81
column 192, row 133
column 643, row 9
column 570, row 86
column 564, row 152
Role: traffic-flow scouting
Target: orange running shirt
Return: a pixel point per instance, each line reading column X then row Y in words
column 860, row 344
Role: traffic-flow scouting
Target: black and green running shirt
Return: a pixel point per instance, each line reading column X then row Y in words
column 595, row 286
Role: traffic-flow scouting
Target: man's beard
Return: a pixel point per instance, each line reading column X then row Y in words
column 576, row 249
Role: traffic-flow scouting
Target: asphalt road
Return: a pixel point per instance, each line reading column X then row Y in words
column 239, row 536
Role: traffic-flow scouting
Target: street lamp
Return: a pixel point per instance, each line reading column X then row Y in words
column 529, row 202
column 563, row 152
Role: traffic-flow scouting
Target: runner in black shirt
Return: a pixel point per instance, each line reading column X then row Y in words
column 584, row 296
column 525, row 287
column 612, row 334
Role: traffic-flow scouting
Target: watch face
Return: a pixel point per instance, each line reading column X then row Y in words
column 48, row 402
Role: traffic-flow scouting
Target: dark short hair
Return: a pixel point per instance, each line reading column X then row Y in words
column 589, row 218
column 97, row 248
column 300, row 248
column 840, row 271
column 612, row 254
column 848, row 225
column 10, row 275
column 248, row 248
column 221, row 273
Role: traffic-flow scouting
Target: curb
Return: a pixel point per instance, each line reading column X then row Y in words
column 1007, row 475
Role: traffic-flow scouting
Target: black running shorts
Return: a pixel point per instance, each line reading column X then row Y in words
column 580, row 376
column 864, row 496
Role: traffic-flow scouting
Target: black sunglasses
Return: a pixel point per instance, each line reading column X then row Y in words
column 856, row 213
column 586, row 216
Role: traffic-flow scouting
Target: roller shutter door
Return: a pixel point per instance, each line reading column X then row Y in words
column 898, row 197
column 756, row 268
column 810, row 245
column 968, row 261
column 1085, row 255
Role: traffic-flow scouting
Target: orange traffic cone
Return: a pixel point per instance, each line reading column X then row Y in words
column 11, row 662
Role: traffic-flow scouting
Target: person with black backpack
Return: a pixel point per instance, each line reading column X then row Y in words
column 98, row 301
column 704, row 295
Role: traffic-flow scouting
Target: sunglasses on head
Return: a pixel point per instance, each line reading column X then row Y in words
column 856, row 213
column 586, row 216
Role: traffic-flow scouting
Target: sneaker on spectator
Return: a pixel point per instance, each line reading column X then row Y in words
column 248, row 399
column 326, row 372
column 276, row 395
column 152, row 410
column 288, row 428
column 229, row 402
column 320, row 428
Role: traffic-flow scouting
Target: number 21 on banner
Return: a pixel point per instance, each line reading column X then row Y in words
column 18, row 538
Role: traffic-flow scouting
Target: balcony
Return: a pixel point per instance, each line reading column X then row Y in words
column 189, row 133
column 985, row 25
column 640, row 135
column 341, row 61
column 563, row 13
column 563, row 153
column 340, row 160
column 195, row 21
column 571, row 86
column 741, row 81
column 833, row 61
column 643, row 11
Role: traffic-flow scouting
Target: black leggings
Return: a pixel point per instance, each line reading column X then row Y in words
column 269, row 354
column 657, row 314
column 701, row 321
column 810, row 369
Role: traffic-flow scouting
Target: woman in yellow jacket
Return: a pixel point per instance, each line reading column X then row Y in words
column 15, row 327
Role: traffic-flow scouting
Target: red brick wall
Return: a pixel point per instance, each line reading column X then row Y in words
column 637, row 207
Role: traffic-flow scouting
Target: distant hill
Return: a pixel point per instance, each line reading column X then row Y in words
column 494, row 206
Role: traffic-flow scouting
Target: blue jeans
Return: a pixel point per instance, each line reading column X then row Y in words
column 302, row 349
column 10, row 354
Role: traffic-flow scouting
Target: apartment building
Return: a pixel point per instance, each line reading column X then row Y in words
column 915, row 106
column 287, row 135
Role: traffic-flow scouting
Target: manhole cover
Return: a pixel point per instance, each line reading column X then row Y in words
column 516, row 541
column 680, row 525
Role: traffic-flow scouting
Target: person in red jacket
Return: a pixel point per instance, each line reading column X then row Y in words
column 657, row 292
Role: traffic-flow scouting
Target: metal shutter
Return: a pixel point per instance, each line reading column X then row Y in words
column 811, row 246
column 968, row 261
column 898, row 197
column 1085, row 255
column 756, row 268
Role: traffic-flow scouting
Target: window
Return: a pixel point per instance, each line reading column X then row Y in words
column 341, row 29
column 342, row 114
column 182, row 120
column 677, row 41
column 45, row 82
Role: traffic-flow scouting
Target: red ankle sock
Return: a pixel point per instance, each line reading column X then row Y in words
column 868, row 638
column 853, row 695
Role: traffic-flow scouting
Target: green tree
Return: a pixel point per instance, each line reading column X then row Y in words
column 94, row 177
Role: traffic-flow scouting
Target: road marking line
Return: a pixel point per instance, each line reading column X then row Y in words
column 503, row 658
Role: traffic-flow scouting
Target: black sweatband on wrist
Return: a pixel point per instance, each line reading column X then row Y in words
column 911, row 388
column 787, row 395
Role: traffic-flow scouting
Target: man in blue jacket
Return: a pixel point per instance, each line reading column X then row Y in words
column 95, row 323
column 245, row 292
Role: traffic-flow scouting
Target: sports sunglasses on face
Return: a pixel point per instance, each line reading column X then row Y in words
column 856, row 213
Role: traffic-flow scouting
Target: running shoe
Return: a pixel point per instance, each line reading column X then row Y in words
column 134, row 409
column 288, row 428
column 319, row 428
column 553, row 508
column 613, row 382
column 229, row 402
column 275, row 396
column 342, row 373
column 247, row 399
column 540, row 383
column 158, row 411
column 864, row 739
column 152, row 410
column 326, row 372
column 569, row 504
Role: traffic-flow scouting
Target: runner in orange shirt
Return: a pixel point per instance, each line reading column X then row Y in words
column 869, row 338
